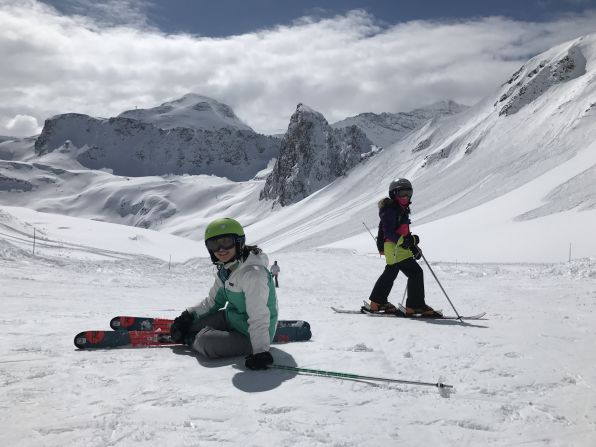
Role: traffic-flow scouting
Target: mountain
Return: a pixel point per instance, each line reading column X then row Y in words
column 312, row 155
column 216, row 144
column 512, row 178
column 190, row 111
column 13, row 148
column 388, row 128
column 519, row 168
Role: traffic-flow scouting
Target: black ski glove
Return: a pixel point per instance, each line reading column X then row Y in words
column 259, row 361
column 180, row 327
column 410, row 240
column 416, row 252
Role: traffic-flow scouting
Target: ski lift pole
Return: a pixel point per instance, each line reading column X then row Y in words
column 341, row 375
column 439, row 283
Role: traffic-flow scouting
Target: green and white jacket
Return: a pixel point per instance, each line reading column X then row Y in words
column 251, row 301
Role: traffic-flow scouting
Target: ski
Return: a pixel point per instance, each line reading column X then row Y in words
column 121, row 339
column 413, row 317
column 141, row 324
column 292, row 330
column 287, row 330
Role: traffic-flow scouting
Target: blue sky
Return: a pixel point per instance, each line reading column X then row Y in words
column 228, row 17
column 262, row 58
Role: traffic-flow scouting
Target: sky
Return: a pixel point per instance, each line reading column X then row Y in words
column 264, row 57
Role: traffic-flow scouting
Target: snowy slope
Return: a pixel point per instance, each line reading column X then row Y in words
column 521, row 377
column 31, row 234
column 385, row 129
column 481, row 158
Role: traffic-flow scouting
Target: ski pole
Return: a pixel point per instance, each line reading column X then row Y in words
column 341, row 375
column 371, row 235
column 439, row 283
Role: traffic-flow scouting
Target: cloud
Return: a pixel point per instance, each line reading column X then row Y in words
column 22, row 126
column 340, row 66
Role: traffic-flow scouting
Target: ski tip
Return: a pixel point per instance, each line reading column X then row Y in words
column 85, row 340
column 122, row 322
column 80, row 340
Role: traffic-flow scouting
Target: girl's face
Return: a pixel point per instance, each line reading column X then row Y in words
column 403, row 201
column 223, row 247
column 225, row 255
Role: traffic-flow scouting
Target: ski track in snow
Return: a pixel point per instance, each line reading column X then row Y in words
column 523, row 376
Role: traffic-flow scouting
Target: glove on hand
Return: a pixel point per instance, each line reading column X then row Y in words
column 416, row 252
column 180, row 326
column 258, row 361
column 410, row 240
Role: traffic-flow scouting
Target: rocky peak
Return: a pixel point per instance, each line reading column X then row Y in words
column 538, row 75
column 312, row 155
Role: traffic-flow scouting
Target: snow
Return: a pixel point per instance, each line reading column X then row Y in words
column 523, row 375
column 505, row 209
column 505, row 235
column 190, row 111
column 69, row 237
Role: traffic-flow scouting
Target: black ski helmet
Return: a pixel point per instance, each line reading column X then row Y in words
column 397, row 184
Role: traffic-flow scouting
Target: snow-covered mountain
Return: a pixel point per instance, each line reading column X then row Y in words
column 385, row 129
column 511, row 178
column 191, row 111
column 216, row 141
column 12, row 148
column 312, row 155
column 480, row 175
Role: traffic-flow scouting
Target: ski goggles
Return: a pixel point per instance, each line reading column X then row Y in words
column 220, row 243
column 404, row 193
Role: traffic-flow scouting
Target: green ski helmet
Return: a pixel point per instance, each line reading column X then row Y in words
column 225, row 227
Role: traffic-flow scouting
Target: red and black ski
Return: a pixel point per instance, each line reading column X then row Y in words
column 147, row 331
column 122, row 338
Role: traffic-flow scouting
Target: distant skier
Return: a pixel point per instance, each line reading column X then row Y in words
column 400, row 247
column 246, row 326
column 275, row 272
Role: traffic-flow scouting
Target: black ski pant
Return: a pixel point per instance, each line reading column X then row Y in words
column 415, row 275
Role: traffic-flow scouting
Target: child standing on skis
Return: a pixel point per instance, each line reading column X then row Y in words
column 246, row 326
column 400, row 247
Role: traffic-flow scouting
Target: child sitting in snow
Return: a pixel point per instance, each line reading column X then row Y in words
column 246, row 326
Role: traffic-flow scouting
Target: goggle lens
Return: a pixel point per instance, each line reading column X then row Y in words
column 220, row 243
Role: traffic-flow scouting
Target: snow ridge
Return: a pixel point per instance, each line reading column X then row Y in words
column 192, row 111
column 535, row 78
column 387, row 128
